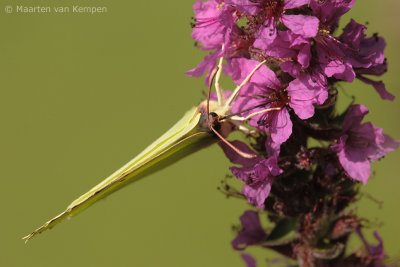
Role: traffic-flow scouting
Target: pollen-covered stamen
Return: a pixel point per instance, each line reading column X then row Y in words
column 280, row 99
column 324, row 30
column 240, row 45
column 271, row 12
column 323, row 38
column 334, row 48
column 220, row 6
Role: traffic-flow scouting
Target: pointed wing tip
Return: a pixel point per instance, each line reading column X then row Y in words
column 34, row 233
column 47, row 225
column 29, row 237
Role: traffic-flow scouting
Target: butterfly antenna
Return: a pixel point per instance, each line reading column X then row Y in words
column 238, row 151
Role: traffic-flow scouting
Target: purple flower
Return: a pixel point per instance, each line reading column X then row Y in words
column 361, row 144
column 345, row 58
column 250, row 261
column 252, row 233
column 294, row 47
column 332, row 57
column 216, row 29
column 287, row 47
column 215, row 21
column 351, row 55
column 273, row 11
column 266, row 91
column 258, row 173
column 294, row 52
column 329, row 12
column 369, row 57
column 331, row 53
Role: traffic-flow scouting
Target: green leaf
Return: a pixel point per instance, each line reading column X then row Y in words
column 283, row 233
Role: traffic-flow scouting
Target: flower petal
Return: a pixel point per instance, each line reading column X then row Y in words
column 281, row 126
column 251, row 233
column 379, row 87
column 289, row 4
column 306, row 26
column 356, row 164
column 354, row 116
column 304, row 93
column 208, row 63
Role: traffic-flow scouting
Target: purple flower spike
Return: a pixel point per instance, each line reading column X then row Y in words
column 258, row 173
column 361, row 144
column 252, row 233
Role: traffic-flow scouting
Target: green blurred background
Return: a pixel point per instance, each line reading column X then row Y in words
column 82, row 94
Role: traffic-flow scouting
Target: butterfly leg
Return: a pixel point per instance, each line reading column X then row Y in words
column 218, row 89
column 237, row 89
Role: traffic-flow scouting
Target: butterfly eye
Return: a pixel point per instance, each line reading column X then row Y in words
column 213, row 115
column 214, row 120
